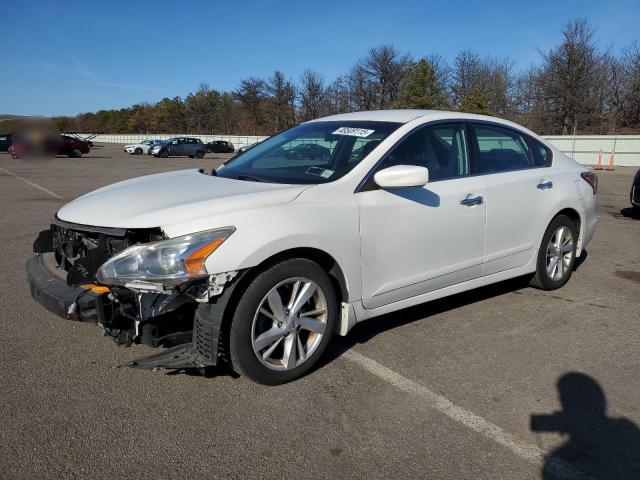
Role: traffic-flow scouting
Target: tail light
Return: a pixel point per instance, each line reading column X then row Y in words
column 592, row 179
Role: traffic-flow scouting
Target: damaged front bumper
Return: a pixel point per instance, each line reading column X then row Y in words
column 49, row 288
column 188, row 318
column 88, row 304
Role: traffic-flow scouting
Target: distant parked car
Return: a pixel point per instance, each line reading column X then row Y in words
column 220, row 146
column 73, row 146
column 308, row 151
column 140, row 148
column 5, row 142
column 179, row 146
column 247, row 147
column 53, row 145
column 635, row 191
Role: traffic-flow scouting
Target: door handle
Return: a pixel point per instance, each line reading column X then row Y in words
column 471, row 201
column 545, row 185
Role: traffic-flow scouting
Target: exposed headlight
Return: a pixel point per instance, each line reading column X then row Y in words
column 169, row 262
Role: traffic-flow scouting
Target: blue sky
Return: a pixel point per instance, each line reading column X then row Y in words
column 70, row 57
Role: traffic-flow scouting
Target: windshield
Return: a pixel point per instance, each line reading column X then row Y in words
column 312, row 153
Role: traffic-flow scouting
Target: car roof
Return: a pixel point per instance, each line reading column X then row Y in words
column 407, row 115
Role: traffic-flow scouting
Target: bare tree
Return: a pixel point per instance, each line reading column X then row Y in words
column 631, row 97
column 569, row 76
column 251, row 94
column 312, row 95
column 490, row 78
column 361, row 88
column 282, row 102
column 386, row 67
column 338, row 96
column 467, row 73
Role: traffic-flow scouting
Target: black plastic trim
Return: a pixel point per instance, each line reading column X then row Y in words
column 114, row 232
column 52, row 292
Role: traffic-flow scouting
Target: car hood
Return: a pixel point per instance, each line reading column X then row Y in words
column 174, row 197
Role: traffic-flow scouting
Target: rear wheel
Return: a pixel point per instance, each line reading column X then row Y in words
column 557, row 254
column 199, row 154
column 283, row 322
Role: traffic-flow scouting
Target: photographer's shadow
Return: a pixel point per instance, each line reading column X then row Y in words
column 598, row 446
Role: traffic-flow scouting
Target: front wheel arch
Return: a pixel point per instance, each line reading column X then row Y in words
column 322, row 258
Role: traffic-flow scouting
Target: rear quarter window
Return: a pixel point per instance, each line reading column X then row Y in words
column 542, row 156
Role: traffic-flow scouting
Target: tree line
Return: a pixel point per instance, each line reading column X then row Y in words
column 576, row 87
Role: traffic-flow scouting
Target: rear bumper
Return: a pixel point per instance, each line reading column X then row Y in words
column 50, row 290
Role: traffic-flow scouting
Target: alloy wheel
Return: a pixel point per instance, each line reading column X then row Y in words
column 289, row 324
column 560, row 253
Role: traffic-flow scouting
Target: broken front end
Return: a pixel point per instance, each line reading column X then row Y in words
column 136, row 284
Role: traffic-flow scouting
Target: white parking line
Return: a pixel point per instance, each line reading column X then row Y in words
column 34, row 185
column 530, row 453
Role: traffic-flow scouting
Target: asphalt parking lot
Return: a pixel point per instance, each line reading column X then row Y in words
column 444, row 390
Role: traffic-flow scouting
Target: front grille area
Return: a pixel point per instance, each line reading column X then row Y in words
column 81, row 250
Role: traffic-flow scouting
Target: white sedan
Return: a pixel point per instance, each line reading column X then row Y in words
column 140, row 148
column 274, row 253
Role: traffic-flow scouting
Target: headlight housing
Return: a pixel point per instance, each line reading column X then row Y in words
column 169, row 262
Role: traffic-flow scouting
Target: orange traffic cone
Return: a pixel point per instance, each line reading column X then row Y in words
column 611, row 158
column 599, row 165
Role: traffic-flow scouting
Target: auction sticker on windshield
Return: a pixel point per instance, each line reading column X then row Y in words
column 353, row 132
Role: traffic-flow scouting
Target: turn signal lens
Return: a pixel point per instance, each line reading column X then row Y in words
column 96, row 288
column 194, row 263
column 592, row 179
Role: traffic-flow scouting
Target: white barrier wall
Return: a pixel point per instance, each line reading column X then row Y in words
column 582, row 148
column 585, row 148
column 237, row 140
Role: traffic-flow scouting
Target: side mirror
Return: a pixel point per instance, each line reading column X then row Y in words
column 402, row 176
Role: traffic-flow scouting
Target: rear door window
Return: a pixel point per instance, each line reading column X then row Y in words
column 500, row 149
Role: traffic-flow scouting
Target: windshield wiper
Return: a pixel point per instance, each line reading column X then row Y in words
column 249, row 178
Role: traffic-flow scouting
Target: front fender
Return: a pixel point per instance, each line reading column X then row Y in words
column 262, row 233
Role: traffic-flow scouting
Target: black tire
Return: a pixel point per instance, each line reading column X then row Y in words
column 542, row 279
column 199, row 154
column 190, row 156
column 75, row 153
column 163, row 154
column 241, row 355
column 138, row 151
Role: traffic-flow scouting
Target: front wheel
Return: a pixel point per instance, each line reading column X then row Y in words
column 75, row 153
column 283, row 322
column 138, row 151
column 164, row 154
column 199, row 154
column 557, row 254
